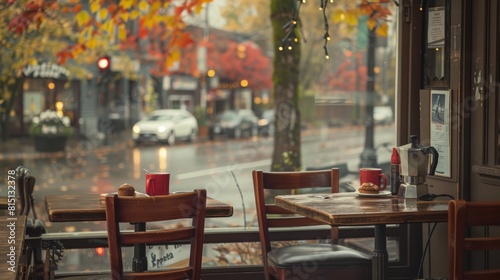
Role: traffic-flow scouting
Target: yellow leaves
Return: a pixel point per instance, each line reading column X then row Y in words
column 103, row 14
column 109, row 27
column 122, row 32
column 91, row 43
column 95, row 6
column 371, row 23
column 124, row 16
column 143, row 6
column 155, row 6
column 126, row 4
column 82, row 18
column 338, row 16
column 149, row 22
column 172, row 57
column 198, row 9
column 382, row 30
column 134, row 14
column 349, row 17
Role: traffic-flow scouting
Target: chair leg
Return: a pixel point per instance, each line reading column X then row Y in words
column 24, row 266
column 53, row 254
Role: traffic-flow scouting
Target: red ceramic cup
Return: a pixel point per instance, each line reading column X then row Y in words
column 157, row 183
column 373, row 175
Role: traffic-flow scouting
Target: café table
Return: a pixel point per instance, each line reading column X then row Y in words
column 3, row 202
column 351, row 209
column 91, row 207
column 12, row 235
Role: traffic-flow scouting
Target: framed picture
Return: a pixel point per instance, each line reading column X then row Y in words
column 441, row 130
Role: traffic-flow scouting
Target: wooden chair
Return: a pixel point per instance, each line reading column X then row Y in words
column 123, row 209
column 462, row 216
column 32, row 264
column 304, row 261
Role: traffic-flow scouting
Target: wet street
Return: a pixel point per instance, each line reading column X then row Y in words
column 222, row 167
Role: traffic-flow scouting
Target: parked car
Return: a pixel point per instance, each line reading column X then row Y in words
column 382, row 115
column 266, row 123
column 166, row 126
column 234, row 124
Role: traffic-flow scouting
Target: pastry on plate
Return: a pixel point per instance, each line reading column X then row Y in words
column 126, row 190
column 369, row 188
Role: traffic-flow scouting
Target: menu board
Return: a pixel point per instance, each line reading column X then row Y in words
column 436, row 27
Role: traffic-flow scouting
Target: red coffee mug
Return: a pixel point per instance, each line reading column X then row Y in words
column 157, row 183
column 373, row 175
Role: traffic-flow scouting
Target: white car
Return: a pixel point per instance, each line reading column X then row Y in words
column 166, row 125
column 382, row 115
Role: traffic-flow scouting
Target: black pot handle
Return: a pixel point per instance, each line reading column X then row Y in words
column 435, row 156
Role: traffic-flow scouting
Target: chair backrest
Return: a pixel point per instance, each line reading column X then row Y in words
column 462, row 216
column 22, row 175
column 124, row 209
column 25, row 185
column 269, row 215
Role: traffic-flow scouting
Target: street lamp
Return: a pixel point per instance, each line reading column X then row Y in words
column 104, row 67
column 368, row 157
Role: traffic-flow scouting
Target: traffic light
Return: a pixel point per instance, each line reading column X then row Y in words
column 104, row 64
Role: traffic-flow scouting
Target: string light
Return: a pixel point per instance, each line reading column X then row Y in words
column 325, row 20
column 290, row 28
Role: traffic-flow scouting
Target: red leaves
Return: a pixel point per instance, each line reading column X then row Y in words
column 19, row 23
column 376, row 10
column 77, row 8
column 34, row 12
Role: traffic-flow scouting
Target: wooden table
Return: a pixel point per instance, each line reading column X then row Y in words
column 3, row 202
column 12, row 236
column 348, row 209
column 90, row 207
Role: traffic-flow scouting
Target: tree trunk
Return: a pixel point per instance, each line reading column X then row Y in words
column 287, row 152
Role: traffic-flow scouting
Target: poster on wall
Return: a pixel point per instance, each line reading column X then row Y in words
column 440, row 130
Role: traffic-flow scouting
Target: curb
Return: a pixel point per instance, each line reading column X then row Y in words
column 23, row 150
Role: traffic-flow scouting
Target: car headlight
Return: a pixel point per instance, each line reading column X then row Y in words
column 136, row 129
column 161, row 129
column 263, row 122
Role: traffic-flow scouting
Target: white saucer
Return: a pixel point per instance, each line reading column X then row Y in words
column 380, row 194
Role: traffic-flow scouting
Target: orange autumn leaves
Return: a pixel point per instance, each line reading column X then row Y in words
column 377, row 12
column 102, row 24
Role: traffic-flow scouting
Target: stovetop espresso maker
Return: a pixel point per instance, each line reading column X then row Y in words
column 415, row 168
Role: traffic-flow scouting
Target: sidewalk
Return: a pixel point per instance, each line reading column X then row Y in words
column 17, row 148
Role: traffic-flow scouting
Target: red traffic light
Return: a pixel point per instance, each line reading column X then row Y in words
column 104, row 63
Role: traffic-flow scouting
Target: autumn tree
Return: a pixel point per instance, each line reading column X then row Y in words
column 55, row 31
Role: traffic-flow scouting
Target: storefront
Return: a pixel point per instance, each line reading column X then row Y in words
column 46, row 87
